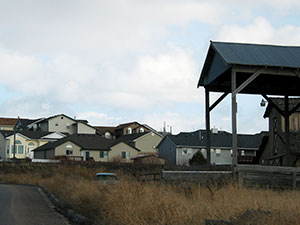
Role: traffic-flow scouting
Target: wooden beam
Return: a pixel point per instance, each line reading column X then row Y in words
column 234, row 119
column 267, row 70
column 287, row 131
column 273, row 105
column 294, row 109
column 248, row 81
column 218, row 101
column 297, row 72
column 207, row 120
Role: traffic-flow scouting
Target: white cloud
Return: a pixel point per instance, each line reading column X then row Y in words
column 165, row 78
column 97, row 29
column 99, row 119
column 260, row 30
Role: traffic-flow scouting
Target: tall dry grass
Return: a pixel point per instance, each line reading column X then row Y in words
column 131, row 202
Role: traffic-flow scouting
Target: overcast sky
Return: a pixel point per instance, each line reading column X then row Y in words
column 118, row 61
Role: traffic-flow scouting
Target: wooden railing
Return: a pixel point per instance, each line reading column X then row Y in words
column 268, row 176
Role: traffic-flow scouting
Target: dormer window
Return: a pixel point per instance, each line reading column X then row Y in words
column 107, row 135
column 142, row 130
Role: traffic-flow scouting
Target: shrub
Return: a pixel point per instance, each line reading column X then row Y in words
column 198, row 159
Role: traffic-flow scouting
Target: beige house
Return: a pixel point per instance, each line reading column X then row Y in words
column 76, row 147
column 25, row 142
column 145, row 142
column 100, row 149
column 62, row 123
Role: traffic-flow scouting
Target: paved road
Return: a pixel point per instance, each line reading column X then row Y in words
column 24, row 205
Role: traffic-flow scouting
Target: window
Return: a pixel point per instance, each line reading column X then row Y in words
column 107, row 135
column 7, row 149
column 103, row 154
column 142, row 130
column 69, row 152
column 129, row 130
column 218, row 152
column 184, row 151
column 56, row 124
column 19, row 147
column 69, row 146
column 125, row 155
column 242, row 153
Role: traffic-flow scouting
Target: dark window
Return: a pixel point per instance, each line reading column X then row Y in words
column 103, row 154
column 69, row 152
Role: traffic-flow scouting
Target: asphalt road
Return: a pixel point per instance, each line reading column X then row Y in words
column 25, row 205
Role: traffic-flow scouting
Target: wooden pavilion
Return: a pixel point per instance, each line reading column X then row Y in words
column 251, row 69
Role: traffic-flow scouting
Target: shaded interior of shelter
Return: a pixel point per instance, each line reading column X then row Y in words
column 263, row 84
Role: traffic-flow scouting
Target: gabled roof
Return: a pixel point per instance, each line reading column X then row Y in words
column 13, row 121
column 130, row 137
column 124, row 125
column 8, row 121
column 222, row 139
column 280, row 103
column 103, row 129
column 258, row 54
column 27, row 134
column 222, row 57
column 85, row 141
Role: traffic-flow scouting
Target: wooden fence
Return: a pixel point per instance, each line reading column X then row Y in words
column 268, row 176
column 201, row 177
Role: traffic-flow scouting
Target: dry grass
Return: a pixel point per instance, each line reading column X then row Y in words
column 131, row 202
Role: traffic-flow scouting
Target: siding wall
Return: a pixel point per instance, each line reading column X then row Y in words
column 61, row 150
column 148, row 142
column 116, row 152
column 2, row 147
column 167, row 151
column 85, row 129
column 61, row 124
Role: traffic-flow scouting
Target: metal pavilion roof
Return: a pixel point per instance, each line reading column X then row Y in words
column 223, row 56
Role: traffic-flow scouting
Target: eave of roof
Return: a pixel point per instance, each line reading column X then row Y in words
column 222, row 56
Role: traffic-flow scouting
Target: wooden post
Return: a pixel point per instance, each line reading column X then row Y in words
column 287, row 131
column 234, row 119
column 207, row 120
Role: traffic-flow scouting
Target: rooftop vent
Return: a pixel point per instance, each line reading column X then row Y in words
column 214, row 130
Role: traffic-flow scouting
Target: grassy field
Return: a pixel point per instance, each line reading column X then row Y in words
column 132, row 202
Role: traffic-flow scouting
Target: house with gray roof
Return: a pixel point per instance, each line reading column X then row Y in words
column 101, row 149
column 179, row 149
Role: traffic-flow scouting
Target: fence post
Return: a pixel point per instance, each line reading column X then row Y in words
column 294, row 179
column 240, row 178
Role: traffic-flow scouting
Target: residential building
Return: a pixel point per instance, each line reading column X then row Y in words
column 101, row 149
column 62, row 123
column 25, row 142
column 179, row 149
column 123, row 129
column 84, row 146
column 274, row 152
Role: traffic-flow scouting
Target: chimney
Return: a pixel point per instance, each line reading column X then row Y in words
column 214, row 130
